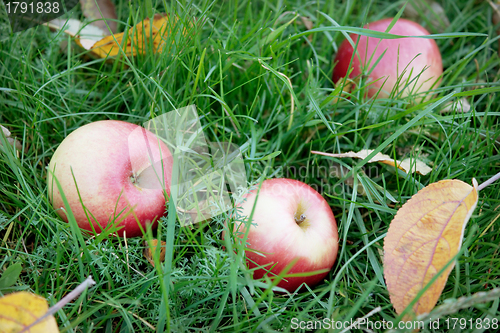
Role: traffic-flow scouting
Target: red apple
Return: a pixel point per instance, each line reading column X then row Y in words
column 122, row 174
column 291, row 221
column 404, row 60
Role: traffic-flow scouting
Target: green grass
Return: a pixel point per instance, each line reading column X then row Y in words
column 228, row 65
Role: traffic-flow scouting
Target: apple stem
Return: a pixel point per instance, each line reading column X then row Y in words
column 300, row 219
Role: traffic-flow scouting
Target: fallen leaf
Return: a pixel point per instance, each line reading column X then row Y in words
column 424, row 236
column 496, row 11
column 413, row 9
column 308, row 24
column 461, row 105
column 13, row 142
column 496, row 17
column 5, row 131
column 430, row 9
column 148, row 251
column 86, row 35
column 137, row 38
column 412, row 165
column 19, row 310
column 438, row 15
column 92, row 10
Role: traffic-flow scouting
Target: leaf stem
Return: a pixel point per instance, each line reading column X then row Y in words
column 65, row 300
column 489, row 181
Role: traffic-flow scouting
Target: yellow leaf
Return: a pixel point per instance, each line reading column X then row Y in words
column 19, row 310
column 412, row 165
column 137, row 38
column 424, row 236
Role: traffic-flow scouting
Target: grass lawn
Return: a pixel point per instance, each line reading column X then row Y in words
column 236, row 64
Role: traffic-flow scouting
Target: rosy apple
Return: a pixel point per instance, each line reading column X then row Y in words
column 111, row 172
column 291, row 222
column 413, row 65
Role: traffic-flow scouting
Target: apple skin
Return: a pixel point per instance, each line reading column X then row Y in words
column 276, row 234
column 111, row 163
column 388, row 69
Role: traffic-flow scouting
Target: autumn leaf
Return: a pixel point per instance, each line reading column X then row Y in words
column 424, row 236
column 148, row 251
column 412, row 165
column 87, row 34
column 432, row 10
column 309, row 26
column 5, row 131
column 92, row 10
column 137, row 38
column 26, row 312
column 461, row 105
column 12, row 141
column 21, row 309
column 496, row 17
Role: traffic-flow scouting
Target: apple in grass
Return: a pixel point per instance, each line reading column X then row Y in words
column 111, row 172
column 291, row 223
column 413, row 65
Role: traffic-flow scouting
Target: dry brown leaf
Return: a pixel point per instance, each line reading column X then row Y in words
column 21, row 309
column 461, row 105
column 13, row 142
column 496, row 17
column 430, row 9
column 148, row 251
column 424, row 236
column 5, row 131
column 308, row 24
column 92, row 10
column 413, row 8
column 412, row 165
column 438, row 15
